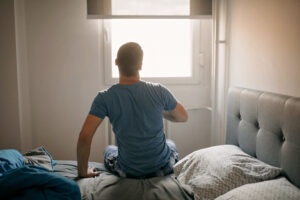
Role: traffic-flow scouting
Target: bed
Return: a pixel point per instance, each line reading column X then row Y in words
column 260, row 160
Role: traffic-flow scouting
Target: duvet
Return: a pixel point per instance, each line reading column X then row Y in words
column 20, row 181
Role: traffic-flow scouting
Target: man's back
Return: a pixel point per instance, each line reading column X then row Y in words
column 136, row 110
column 136, row 114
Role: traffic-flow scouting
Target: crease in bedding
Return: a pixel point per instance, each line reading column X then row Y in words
column 110, row 187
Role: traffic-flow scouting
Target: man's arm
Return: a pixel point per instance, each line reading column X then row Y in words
column 84, row 145
column 178, row 114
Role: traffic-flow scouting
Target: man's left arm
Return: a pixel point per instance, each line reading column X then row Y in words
column 84, row 145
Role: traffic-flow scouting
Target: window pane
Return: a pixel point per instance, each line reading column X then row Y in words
column 150, row 7
column 166, row 45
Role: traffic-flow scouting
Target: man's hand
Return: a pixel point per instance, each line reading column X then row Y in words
column 91, row 172
column 179, row 114
column 84, row 145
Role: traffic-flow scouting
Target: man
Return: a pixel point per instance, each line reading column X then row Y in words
column 135, row 109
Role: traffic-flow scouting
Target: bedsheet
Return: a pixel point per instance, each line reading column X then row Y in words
column 107, row 186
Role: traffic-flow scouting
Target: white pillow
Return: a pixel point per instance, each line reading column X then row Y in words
column 213, row 171
column 277, row 189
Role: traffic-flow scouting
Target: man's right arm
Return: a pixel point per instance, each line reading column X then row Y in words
column 84, row 145
column 178, row 114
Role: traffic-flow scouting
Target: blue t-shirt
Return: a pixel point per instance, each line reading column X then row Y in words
column 136, row 114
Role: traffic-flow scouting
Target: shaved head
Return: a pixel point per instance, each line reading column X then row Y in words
column 130, row 59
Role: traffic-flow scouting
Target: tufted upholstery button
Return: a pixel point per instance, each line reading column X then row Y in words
column 257, row 125
column 239, row 116
column 281, row 135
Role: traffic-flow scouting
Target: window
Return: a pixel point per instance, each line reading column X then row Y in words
column 164, row 54
column 153, row 7
column 171, row 48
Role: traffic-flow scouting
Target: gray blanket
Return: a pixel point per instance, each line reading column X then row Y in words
column 107, row 186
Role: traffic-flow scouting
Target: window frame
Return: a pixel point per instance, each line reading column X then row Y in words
column 197, row 60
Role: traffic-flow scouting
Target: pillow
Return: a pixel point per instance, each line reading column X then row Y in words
column 213, row 171
column 39, row 157
column 10, row 159
column 276, row 189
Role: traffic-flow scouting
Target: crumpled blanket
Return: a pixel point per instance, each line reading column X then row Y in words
column 20, row 181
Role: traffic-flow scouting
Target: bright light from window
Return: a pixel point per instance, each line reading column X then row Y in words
column 150, row 7
column 166, row 45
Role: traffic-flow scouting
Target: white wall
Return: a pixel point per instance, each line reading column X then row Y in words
column 9, row 113
column 64, row 52
column 65, row 64
column 192, row 135
column 265, row 45
column 23, row 78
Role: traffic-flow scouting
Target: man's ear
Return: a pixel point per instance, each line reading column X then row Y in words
column 116, row 61
column 141, row 67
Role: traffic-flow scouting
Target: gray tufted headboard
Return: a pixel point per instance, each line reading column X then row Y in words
column 266, row 126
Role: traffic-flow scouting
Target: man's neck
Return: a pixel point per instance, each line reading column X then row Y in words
column 124, row 80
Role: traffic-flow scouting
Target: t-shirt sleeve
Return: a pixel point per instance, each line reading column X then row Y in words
column 168, row 99
column 98, row 107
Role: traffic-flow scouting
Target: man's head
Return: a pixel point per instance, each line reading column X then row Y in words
column 129, row 59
